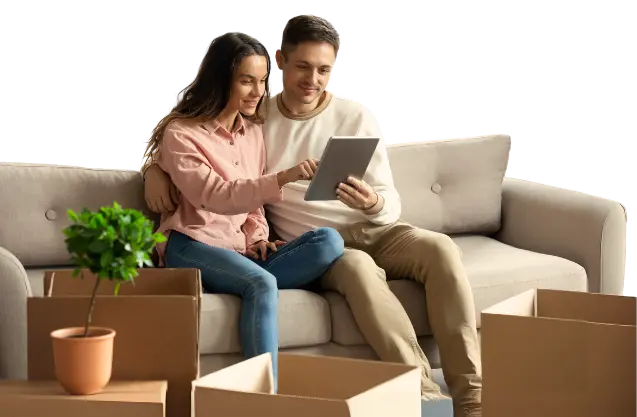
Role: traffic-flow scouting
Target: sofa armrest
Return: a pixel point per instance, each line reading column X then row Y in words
column 14, row 291
column 588, row 230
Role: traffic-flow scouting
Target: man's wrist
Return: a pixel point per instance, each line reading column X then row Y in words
column 377, row 207
column 374, row 204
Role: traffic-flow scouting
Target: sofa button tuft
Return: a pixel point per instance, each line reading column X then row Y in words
column 51, row 215
column 436, row 188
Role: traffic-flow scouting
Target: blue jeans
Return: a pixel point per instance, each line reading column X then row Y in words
column 257, row 282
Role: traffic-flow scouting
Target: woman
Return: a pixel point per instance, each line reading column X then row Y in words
column 211, row 145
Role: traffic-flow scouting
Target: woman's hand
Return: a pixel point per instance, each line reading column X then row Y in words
column 303, row 171
column 262, row 247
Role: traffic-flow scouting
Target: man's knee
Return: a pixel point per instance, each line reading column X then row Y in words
column 436, row 247
column 356, row 263
column 353, row 272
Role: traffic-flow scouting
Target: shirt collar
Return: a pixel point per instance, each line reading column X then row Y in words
column 213, row 125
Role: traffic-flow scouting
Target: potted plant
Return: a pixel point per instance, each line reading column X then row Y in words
column 112, row 244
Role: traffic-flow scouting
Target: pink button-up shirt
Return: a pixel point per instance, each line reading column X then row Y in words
column 220, row 175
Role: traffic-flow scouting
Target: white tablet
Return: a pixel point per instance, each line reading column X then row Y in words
column 343, row 156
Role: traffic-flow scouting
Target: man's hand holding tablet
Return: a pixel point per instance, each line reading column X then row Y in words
column 339, row 175
column 357, row 194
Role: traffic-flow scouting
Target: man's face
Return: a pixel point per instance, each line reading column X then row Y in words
column 306, row 71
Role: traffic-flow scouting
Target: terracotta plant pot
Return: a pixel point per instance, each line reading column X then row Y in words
column 83, row 365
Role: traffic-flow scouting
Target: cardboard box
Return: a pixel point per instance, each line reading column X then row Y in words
column 310, row 386
column 156, row 322
column 559, row 353
column 47, row 398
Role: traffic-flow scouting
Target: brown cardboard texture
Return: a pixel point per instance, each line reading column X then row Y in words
column 310, row 386
column 156, row 321
column 559, row 353
column 47, row 398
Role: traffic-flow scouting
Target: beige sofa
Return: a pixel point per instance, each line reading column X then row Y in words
column 515, row 235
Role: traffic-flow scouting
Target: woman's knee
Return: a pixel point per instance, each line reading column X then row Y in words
column 331, row 244
column 261, row 285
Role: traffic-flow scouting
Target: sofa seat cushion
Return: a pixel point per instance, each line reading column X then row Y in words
column 496, row 272
column 304, row 320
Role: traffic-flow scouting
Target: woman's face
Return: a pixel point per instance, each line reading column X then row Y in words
column 248, row 84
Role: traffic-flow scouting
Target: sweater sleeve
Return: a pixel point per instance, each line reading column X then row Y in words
column 203, row 187
column 379, row 175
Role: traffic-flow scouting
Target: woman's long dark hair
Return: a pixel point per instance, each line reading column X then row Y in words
column 209, row 93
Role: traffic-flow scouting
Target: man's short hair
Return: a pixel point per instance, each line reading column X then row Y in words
column 308, row 28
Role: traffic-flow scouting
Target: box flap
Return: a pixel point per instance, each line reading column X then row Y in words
column 250, row 375
column 590, row 307
column 333, row 377
column 115, row 391
column 522, row 304
column 211, row 401
column 150, row 281
column 571, row 367
column 47, row 398
column 310, row 386
column 398, row 396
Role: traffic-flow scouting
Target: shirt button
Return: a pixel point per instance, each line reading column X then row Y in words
column 238, row 231
column 236, row 163
column 231, row 142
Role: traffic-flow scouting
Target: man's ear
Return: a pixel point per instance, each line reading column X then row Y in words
column 279, row 59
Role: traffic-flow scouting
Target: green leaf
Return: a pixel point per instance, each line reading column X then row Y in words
column 106, row 259
column 159, row 238
column 98, row 246
column 117, row 288
column 112, row 242
column 72, row 216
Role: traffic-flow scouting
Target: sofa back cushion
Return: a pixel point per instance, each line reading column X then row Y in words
column 35, row 199
column 452, row 186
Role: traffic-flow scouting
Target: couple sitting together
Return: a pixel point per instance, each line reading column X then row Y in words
column 228, row 149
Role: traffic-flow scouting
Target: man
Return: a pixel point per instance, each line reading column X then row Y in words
column 299, row 122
